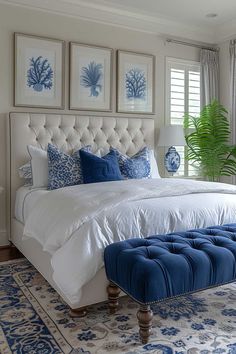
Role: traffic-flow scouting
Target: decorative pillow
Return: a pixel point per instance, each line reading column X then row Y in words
column 100, row 169
column 138, row 166
column 154, row 167
column 63, row 170
column 39, row 166
column 25, row 172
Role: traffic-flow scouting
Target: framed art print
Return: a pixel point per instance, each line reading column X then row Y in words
column 39, row 71
column 135, row 82
column 90, row 77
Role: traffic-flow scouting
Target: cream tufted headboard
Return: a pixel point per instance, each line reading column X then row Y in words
column 69, row 132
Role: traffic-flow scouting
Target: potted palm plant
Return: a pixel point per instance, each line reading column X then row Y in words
column 207, row 138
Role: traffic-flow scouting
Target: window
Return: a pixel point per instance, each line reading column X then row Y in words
column 182, row 96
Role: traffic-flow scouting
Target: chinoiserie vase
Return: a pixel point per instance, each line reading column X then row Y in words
column 172, row 160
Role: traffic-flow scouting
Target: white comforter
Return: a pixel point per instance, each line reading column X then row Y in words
column 76, row 223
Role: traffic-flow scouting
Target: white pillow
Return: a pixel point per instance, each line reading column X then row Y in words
column 154, row 167
column 39, row 166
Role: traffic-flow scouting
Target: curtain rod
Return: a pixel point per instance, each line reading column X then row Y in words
column 169, row 40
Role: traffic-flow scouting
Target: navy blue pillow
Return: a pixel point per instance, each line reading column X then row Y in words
column 100, row 169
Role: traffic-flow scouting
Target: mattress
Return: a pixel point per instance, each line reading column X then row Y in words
column 26, row 198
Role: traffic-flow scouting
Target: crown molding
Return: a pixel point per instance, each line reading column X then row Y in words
column 226, row 31
column 120, row 17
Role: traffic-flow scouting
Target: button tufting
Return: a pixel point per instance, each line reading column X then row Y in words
column 204, row 269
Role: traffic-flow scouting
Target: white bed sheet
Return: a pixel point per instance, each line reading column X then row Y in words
column 75, row 224
column 26, row 198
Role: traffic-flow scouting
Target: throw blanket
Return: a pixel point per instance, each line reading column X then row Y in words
column 60, row 213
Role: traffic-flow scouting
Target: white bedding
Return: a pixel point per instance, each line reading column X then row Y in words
column 26, row 198
column 76, row 223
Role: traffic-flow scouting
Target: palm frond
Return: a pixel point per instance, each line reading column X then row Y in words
column 207, row 138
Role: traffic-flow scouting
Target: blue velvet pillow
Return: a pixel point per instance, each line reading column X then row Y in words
column 63, row 170
column 100, row 169
column 137, row 166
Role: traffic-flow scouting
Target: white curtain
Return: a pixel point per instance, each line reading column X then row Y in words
column 209, row 60
column 232, row 50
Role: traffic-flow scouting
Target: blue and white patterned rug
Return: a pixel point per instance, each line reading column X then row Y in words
column 34, row 319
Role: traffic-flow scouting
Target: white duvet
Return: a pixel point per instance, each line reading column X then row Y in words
column 76, row 223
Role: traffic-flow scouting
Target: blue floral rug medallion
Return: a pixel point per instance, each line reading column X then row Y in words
column 34, row 320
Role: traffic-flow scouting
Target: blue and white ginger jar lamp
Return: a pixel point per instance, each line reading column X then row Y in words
column 172, row 160
column 172, row 135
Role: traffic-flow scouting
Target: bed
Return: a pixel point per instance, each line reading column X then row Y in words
column 67, row 132
column 71, row 261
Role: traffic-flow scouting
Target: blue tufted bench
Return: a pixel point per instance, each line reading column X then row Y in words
column 163, row 266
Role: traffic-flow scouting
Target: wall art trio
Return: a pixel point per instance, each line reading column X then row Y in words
column 40, row 72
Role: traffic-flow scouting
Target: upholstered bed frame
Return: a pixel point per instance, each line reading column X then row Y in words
column 68, row 132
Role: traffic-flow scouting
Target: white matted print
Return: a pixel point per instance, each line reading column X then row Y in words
column 39, row 71
column 90, row 77
column 135, row 82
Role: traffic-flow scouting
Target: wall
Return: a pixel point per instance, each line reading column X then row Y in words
column 16, row 19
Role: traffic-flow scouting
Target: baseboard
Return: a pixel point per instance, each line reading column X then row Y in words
column 3, row 238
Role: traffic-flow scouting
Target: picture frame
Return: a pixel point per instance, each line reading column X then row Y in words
column 135, row 82
column 90, row 77
column 39, row 71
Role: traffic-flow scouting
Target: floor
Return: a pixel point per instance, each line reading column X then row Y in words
column 9, row 252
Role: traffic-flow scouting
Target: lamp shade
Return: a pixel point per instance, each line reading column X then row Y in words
column 171, row 135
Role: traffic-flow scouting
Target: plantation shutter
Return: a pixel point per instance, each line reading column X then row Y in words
column 182, row 96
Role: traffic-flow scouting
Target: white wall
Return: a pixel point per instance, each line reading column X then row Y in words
column 16, row 19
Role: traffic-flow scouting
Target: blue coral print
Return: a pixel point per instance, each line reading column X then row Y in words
column 40, row 74
column 91, row 78
column 135, row 84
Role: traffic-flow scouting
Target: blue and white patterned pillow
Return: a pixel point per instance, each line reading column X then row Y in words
column 64, row 170
column 25, row 172
column 137, row 166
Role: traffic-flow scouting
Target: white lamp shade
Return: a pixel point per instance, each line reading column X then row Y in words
column 171, row 135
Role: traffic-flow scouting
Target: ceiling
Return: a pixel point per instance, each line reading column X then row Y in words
column 179, row 18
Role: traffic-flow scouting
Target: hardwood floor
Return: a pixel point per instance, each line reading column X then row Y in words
column 9, row 252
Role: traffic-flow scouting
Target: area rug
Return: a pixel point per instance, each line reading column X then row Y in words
column 34, row 319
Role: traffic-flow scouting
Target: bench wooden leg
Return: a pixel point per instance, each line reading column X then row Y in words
column 80, row 312
column 145, row 316
column 113, row 295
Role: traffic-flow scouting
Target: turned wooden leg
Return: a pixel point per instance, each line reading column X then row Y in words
column 80, row 312
column 113, row 294
column 145, row 316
